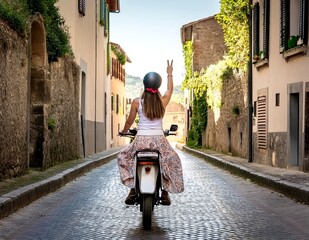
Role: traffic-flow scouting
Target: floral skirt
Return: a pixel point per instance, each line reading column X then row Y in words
column 170, row 162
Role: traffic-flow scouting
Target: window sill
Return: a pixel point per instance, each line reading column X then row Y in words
column 302, row 49
column 261, row 62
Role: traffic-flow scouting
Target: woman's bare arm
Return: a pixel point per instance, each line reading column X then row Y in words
column 132, row 115
column 168, row 94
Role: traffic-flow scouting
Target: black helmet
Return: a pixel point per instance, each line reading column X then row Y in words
column 152, row 80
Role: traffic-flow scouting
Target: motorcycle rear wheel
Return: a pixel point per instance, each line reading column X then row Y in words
column 147, row 210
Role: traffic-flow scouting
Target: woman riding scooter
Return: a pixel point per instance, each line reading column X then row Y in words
column 150, row 108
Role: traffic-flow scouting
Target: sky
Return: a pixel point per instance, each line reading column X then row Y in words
column 149, row 32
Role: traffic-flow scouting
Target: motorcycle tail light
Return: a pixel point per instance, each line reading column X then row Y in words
column 147, row 169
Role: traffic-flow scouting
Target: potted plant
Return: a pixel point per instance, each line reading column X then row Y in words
column 292, row 42
column 261, row 54
column 300, row 41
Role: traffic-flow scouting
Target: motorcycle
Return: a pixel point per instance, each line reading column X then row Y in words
column 148, row 182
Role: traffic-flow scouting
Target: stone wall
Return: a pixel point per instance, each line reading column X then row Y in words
column 229, row 133
column 208, row 43
column 63, row 115
column 225, row 132
column 39, row 107
column 13, row 103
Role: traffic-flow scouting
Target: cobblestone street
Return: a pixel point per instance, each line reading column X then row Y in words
column 215, row 205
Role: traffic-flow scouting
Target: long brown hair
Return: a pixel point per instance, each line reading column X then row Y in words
column 152, row 105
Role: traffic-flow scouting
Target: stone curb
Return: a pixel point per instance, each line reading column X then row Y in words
column 22, row 197
column 295, row 191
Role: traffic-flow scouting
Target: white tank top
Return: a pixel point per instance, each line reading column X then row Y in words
column 145, row 123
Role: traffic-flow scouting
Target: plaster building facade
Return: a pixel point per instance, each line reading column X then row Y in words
column 281, row 84
column 88, row 25
column 42, row 102
column 175, row 114
column 118, row 105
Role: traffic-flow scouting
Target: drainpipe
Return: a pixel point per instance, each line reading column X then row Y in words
column 95, row 77
column 250, row 86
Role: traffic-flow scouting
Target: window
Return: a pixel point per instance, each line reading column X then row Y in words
column 82, row 7
column 261, row 29
column 117, row 103
column 293, row 23
column 123, row 106
column 261, row 122
column 277, row 99
column 112, row 102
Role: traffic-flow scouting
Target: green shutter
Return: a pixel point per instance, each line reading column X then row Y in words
column 303, row 21
column 266, row 29
column 106, row 20
column 256, row 30
column 284, row 24
column 102, row 10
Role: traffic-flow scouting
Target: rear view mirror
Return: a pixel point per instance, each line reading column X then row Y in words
column 173, row 128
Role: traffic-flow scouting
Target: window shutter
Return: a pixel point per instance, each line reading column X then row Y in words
column 112, row 102
column 102, row 10
column 262, row 122
column 256, row 35
column 303, row 21
column 106, row 20
column 284, row 22
column 266, row 29
column 82, row 7
column 117, row 103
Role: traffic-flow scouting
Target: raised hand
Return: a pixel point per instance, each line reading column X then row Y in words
column 169, row 69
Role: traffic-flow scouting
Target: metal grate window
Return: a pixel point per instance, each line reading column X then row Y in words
column 262, row 122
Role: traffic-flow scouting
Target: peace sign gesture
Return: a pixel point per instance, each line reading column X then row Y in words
column 169, row 67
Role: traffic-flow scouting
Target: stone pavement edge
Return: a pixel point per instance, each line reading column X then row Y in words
column 19, row 198
column 294, row 184
column 291, row 183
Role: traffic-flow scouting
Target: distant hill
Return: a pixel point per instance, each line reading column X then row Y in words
column 134, row 88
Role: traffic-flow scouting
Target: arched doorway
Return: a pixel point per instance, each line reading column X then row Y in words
column 38, row 92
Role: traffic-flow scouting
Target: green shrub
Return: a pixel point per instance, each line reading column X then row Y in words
column 52, row 123
column 17, row 14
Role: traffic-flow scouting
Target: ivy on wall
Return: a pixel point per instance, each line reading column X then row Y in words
column 207, row 84
column 199, row 114
column 198, row 122
column 233, row 18
column 187, row 52
column 17, row 13
column 120, row 56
